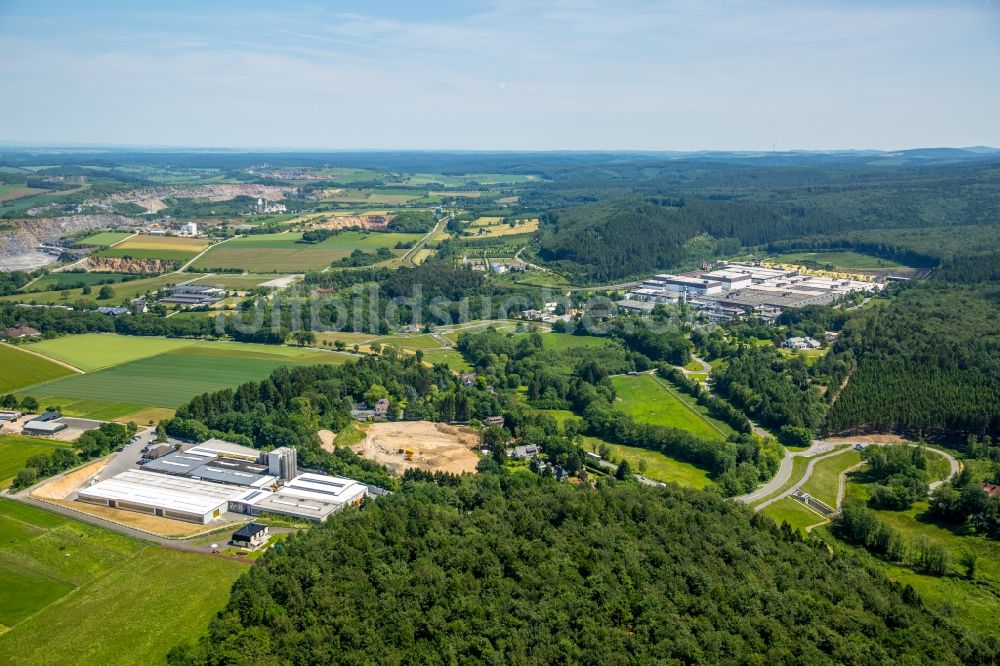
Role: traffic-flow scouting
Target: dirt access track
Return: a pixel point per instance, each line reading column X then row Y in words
column 436, row 447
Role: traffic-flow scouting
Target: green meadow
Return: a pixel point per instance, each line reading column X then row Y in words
column 20, row 369
column 72, row 593
column 104, row 238
column 16, row 449
column 648, row 401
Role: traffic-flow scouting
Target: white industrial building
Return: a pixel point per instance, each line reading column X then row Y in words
column 175, row 497
column 203, row 482
column 309, row 496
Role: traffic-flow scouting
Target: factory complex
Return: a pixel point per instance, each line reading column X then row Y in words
column 200, row 483
column 737, row 290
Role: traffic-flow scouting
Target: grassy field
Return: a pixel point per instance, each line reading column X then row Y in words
column 454, row 360
column 424, row 341
column 54, row 281
column 185, row 244
column 78, row 594
column 104, row 238
column 171, row 378
column 794, row 512
column 21, row 369
column 92, row 351
column 844, row 259
column 825, row 478
column 649, row 402
column 11, row 191
column 283, row 253
column 660, row 467
column 122, row 291
column 15, row 449
column 145, row 253
column 491, row 227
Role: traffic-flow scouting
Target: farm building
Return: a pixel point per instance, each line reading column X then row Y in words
column 193, row 294
column 43, row 428
column 19, row 331
column 250, row 535
column 48, row 416
column 9, row 416
column 162, row 495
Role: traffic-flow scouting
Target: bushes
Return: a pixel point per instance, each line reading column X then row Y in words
column 91, row 444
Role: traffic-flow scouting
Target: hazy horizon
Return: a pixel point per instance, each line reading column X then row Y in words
column 502, row 76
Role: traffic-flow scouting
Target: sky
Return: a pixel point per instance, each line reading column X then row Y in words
column 503, row 75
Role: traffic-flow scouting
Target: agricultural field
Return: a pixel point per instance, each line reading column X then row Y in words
column 648, row 401
column 63, row 582
column 11, row 191
column 660, row 467
column 93, row 351
column 491, row 227
column 452, row 358
column 845, row 259
column 238, row 282
column 104, row 238
column 173, row 377
column 282, row 253
column 21, row 369
column 123, row 291
column 14, row 450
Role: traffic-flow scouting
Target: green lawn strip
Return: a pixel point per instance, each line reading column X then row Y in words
column 560, row 415
column 794, row 512
column 824, row 481
column 452, row 358
column 147, row 253
column 846, row 259
column 424, row 341
column 55, row 281
column 721, row 426
column 19, row 369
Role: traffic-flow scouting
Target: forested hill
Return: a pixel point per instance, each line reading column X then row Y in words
column 632, row 227
column 928, row 365
column 514, row 569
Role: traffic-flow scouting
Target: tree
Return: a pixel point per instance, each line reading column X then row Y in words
column 105, row 293
column 339, row 345
column 305, row 338
column 8, row 401
column 968, row 560
column 86, row 290
column 624, row 471
column 29, row 404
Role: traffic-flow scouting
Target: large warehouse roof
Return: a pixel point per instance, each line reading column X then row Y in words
column 171, row 493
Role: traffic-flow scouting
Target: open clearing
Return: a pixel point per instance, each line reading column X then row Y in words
column 19, row 369
column 647, row 401
column 794, row 512
column 63, row 583
column 54, row 281
column 436, row 446
column 840, row 259
column 164, row 243
column 16, row 449
column 104, row 238
column 825, row 478
column 660, row 467
column 237, row 282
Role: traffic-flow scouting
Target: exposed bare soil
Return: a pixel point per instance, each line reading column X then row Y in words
column 436, row 446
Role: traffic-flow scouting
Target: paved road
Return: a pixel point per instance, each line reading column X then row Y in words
column 818, row 451
column 407, row 259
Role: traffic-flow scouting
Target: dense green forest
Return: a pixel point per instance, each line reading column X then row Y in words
column 928, row 365
column 515, row 569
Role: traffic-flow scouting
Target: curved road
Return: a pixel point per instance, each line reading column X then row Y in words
column 819, row 447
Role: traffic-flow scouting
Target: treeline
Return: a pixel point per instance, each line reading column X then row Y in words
column 776, row 390
column 928, row 365
column 718, row 408
column 509, row 568
column 412, row 221
column 91, row 444
column 861, row 526
column 291, row 405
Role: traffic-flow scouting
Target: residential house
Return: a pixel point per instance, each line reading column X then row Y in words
column 19, row 331
column 251, row 535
